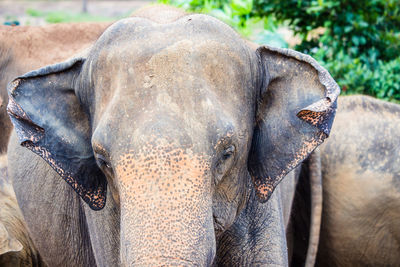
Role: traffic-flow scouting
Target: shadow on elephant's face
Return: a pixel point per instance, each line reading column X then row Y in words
column 179, row 120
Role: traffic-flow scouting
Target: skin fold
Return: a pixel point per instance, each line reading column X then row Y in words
column 346, row 191
column 358, row 165
column 175, row 133
column 26, row 48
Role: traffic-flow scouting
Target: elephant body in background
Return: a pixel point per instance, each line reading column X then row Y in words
column 16, row 246
column 361, row 185
column 359, row 167
column 183, row 128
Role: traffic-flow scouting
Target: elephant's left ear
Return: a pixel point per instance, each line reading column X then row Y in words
column 295, row 111
column 50, row 121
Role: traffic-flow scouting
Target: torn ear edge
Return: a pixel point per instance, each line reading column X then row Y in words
column 319, row 114
column 265, row 185
column 15, row 111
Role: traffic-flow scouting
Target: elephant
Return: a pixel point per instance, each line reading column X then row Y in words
column 359, row 168
column 16, row 246
column 171, row 136
column 361, row 185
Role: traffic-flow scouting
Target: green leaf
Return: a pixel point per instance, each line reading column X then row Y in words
column 241, row 7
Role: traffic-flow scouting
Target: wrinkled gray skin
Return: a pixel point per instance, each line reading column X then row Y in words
column 175, row 113
column 361, row 184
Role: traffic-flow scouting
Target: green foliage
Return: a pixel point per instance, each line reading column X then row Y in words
column 358, row 40
column 238, row 14
column 382, row 81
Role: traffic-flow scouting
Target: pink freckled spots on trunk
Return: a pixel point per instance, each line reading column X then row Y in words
column 158, row 161
column 166, row 201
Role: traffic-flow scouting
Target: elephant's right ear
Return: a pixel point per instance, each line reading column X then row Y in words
column 296, row 105
column 50, row 121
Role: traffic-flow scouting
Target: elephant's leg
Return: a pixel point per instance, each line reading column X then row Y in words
column 52, row 210
column 16, row 246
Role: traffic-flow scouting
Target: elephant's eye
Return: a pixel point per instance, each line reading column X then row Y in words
column 104, row 164
column 224, row 163
column 228, row 152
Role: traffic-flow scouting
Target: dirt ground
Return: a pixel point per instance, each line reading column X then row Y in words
column 16, row 10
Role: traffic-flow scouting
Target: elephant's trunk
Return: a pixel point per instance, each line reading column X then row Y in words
column 166, row 208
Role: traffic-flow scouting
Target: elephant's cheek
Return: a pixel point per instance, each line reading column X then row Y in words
column 166, row 209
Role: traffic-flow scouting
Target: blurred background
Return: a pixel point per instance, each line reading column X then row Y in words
column 358, row 41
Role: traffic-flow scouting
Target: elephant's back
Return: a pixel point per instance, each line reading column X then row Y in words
column 366, row 134
column 361, row 176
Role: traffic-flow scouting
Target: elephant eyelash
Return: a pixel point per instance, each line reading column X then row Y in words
column 221, row 166
column 229, row 152
column 106, row 164
column 103, row 162
column 102, row 157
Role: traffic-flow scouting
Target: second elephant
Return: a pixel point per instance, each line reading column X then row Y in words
column 361, row 183
column 360, row 170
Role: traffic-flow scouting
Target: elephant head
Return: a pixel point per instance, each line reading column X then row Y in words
column 179, row 121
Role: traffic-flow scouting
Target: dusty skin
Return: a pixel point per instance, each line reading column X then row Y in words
column 23, row 49
column 361, row 185
column 166, row 134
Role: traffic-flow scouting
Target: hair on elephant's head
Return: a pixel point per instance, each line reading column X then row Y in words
column 179, row 120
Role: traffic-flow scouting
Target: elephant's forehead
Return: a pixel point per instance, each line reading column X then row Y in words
column 184, row 81
column 195, row 66
column 191, row 46
column 154, row 34
column 182, row 59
